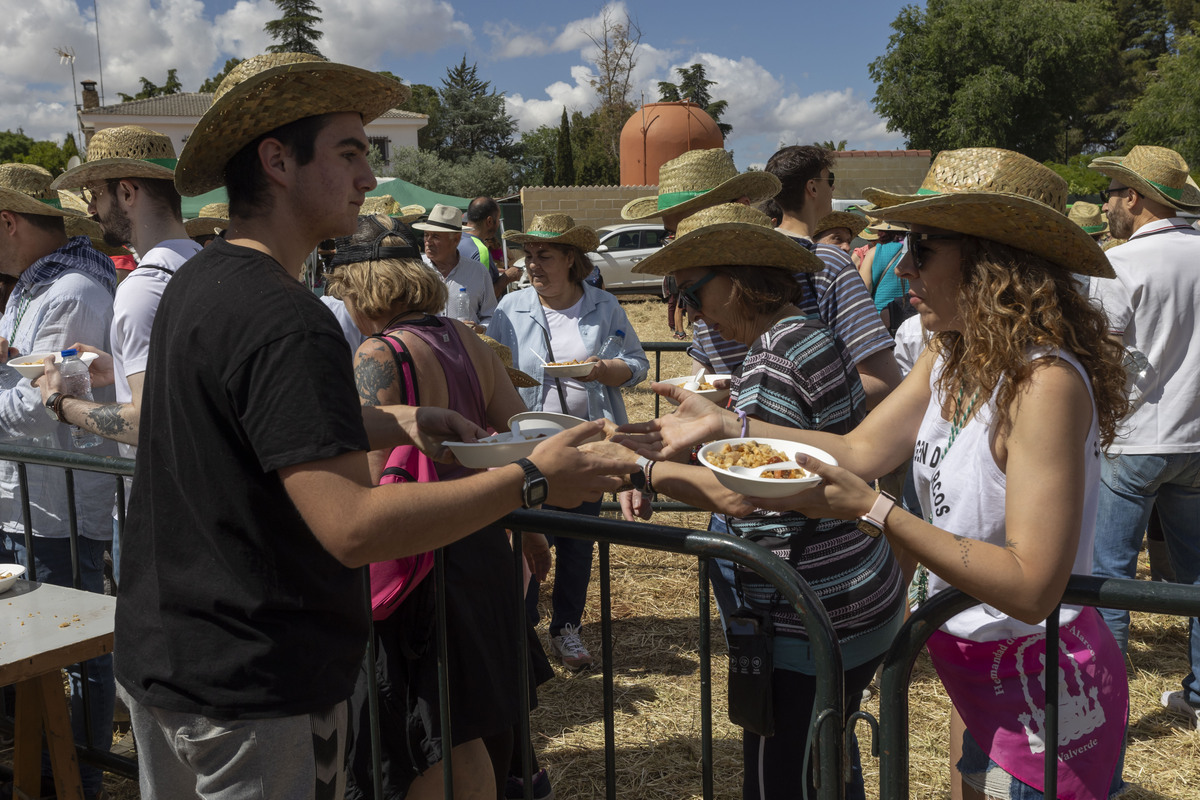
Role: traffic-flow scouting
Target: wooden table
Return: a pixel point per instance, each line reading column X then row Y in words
column 43, row 629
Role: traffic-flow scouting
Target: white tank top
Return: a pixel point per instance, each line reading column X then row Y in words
column 965, row 495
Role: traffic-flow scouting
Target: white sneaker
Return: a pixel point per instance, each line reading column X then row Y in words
column 569, row 647
column 1174, row 701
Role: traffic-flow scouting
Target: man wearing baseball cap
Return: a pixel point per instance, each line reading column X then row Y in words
column 242, row 621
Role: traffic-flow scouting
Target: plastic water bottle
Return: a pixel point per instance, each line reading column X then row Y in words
column 612, row 346
column 77, row 383
column 460, row 305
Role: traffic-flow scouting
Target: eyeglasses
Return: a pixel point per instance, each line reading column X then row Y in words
column 828, row 180
column 688, row 296
column 1107, row 193
column 911, row 241
column 91, row 195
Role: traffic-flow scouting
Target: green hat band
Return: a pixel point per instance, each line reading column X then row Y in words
column 927, row 191
column 1174, row 194
column 1092, row 228
column 53, row 203
column 671, row 199
column 544, row 234
column 169, row 163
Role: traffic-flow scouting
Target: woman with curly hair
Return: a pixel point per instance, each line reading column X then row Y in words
column 1006, row 412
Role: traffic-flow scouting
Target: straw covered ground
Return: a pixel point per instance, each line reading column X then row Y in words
column 657, row 680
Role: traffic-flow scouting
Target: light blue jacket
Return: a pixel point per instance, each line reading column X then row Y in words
column 520, row 324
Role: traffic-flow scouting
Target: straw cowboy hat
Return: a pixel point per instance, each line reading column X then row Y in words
column 129, row 151
column 1089, row 217
column 1155, row 172
column 729, row 235
column 82, row 226
column 265, row 92
column 213, row 219
column 380, row 204
column 1001, row 196
column 74, row 202
column 556, row 229
column 840, row 219
column 876, row 226
column 25, row 189
column 519, row 379
column 699, row 179
column 442, row 219
column 409, row 213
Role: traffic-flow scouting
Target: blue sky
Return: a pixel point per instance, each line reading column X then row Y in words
column 795, row 77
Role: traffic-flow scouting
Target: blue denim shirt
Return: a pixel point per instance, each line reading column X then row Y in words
column 520, row 324
column 62, row 298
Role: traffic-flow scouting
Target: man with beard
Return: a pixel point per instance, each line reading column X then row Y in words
column 1151, row 306
column 128, row 181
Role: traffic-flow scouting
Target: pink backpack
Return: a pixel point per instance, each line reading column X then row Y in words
column 393, row 581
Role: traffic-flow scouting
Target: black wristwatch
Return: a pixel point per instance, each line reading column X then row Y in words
column 535, row 488
column 54, row 405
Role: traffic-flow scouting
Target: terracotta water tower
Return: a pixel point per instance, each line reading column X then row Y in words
column 658, row 132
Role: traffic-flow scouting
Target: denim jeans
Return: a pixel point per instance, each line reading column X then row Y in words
column 53, row 565
column 1131, row 486
column 572, row 574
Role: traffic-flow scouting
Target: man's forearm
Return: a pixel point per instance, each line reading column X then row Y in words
column 116, row 421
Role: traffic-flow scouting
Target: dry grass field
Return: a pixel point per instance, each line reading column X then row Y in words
column 657, row 680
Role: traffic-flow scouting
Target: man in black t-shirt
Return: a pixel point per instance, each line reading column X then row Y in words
column 242, row 620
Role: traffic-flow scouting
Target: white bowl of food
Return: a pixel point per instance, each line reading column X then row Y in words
column 568, row 369
column 543, row 420
column 704, row 386
column 499, row 448
column 729, row 457
column 9, row 573
column 32, row 368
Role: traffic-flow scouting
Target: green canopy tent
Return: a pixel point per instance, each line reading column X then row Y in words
column 404, row 192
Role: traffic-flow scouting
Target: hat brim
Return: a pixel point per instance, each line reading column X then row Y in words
column 521, row 380
column 731, row 244
column 205, row 226
column 757, row 185
column 270, row 99
column 21, row 203
column 111, row 168
column 435, row 227
column 579, row 236
column 1113, row 167
column 1011, row 219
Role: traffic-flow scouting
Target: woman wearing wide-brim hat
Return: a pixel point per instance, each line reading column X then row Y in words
column 1007, row 411
column 737, row 274
column 562, row 318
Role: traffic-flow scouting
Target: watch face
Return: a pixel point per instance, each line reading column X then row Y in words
column 869, row 528
column 535, row 492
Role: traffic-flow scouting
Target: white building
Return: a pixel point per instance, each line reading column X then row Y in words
column 176, row 115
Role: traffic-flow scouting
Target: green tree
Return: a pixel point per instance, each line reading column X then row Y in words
column 69, row 147
column 536, row 155
column 564, row 157
column 375, row 160
column 1001, row 73
column 473, row 118
column 47, row 154
column 1168, row 112
column 13, row 145
column 693, row 85
column 150, row 89
column 211, row 85
column 480, row 174
column 829, row 144
column 1081, row 181
column 295, row 31
column 425, row 100
column 594, row 164
column 614, row 59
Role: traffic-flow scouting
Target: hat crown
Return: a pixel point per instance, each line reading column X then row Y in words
column 130, row 141
column 1160, row 165
column 1085, row 214
column 380, row 204
column 28, row 179
column 723, row 213
column 991, row 169
column 696, row 171
column 215, row 211
column 446, row 216
column 256, row 64
column 551, row 223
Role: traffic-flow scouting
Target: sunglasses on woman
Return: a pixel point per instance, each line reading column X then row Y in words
column 912, row 244
column 689, row 297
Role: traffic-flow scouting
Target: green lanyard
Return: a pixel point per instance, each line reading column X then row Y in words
column 919, row 590
column 21, row 307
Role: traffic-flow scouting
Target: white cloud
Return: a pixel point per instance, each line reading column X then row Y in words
column 534, row 112
column 510, row 40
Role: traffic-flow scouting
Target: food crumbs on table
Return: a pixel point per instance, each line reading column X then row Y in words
column 64, row 624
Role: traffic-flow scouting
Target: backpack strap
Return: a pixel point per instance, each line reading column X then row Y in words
column 405, row 368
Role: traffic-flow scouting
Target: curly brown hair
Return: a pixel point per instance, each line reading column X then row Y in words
column 1012, row 301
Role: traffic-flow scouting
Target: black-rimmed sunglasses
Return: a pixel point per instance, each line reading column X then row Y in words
column 912, row 240
column 688, row 295
column 1107, row 193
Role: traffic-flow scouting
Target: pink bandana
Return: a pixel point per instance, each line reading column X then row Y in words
column 997, row 687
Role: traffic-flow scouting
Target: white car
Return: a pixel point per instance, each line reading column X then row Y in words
column 622, row 247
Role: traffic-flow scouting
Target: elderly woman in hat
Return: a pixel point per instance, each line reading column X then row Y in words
column 737, row 274
column 562, row 318
column 393, row 298
column 1007, row 411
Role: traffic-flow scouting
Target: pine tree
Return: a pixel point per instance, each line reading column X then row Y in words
column 295, row 31
column 473, row 119
column 693, row 85
column 564, row 162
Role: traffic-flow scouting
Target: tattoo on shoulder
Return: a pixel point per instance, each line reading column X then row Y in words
column 373, row 377
column 964, row 548
column 107, row 420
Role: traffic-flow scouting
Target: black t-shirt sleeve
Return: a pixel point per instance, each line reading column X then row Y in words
column 295, row 400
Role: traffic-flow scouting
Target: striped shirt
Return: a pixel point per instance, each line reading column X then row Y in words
column 836, row 294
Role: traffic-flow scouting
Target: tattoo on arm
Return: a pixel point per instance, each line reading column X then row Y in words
column 964, row 548
column 373, row 378
column 108, row 421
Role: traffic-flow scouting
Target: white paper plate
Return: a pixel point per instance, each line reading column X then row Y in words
column 542, row 420
column 9, row 573
column 713, row 395
column 765, row 487
column 497, row 450
column 568, row 370
column 31, row 366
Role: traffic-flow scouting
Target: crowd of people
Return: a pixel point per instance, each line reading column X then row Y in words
column 281, row 448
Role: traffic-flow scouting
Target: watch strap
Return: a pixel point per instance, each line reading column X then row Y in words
column 872, row 522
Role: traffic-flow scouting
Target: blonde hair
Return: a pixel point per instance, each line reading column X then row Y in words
column 1011, row 301
column 388, row 287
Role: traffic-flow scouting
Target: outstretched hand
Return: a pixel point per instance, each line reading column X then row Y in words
column 429, row 426
column 576, row 476
column 840, row 495
column 696, row 420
